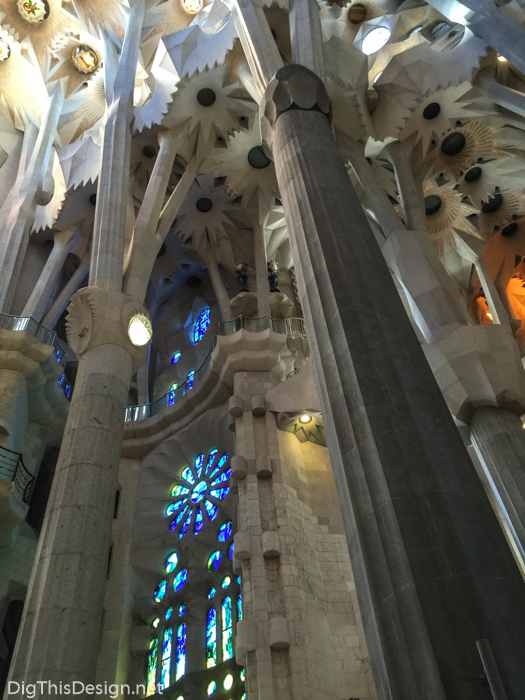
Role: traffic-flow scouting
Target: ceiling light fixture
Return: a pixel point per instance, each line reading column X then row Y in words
column 140, row 330
column 192, row 6
column 305, row 418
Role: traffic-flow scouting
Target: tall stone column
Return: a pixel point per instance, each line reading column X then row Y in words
column 433, row 572
column 59, row 637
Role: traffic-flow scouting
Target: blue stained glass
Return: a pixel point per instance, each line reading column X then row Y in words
column 199, row 491
column 230, row 552
column 214, row 560
column 211, row 509
column 169, row 613
column 211, row 458
column 180, row 490
column 189, row 380
column 166, row 659
column 243, row 696
column 222, row 461
column 171, row 562
column 173, row 507
column 185, row 525
column 211, row 594
column 179, row 517
column 180, row 580
column 198, row 464
column 211, row 639
column 170, row 396
column 182, row 610
column 201, row 326
column 176, row 357
column 181, row 652
column 239, row 580
column 226, row 582
column 160, row 591
column 222, row 478
column 212, row 687
column 152, row 667
column 199, row 522
column 227, row 646
column 188, row 475
column 239, row 607
column 225, row 531
column 220, row 493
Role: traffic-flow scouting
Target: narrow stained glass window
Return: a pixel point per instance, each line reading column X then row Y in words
column 227, row 682
column 160, row 591
column 201, row 326
column 189, row 379
column 198, row 522
column 181, row 652
column 169, row 613
column 166, row 658
column 179, row 517
column 226, row 582
column 211, row 509
column 227, row 650
column 171, row 562
column 182, row 610
column 179, row 490
column 211, row 638
column 225, row 532
column 212, row 687
column 199, row 462
column 214, row 560
column 211, row 593
column 152, row 666
column 186, row 525
column 180, row 580
column 239, row 607
column 188, row 475
column 230, row 551
column 170, row 397
column 176, row 357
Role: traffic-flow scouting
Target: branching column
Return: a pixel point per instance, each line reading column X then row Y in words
column 60, row 632
column 433, row 572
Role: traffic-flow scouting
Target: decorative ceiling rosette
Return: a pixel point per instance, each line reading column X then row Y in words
column 500, row 209
column 346, row 21
column 211, row 104
column 38, row 22
column 75, row 57
column 487, row 177
column 90, row 112
column 248, row 168
column 438, row 111
column 460, row 148
column 446, row 213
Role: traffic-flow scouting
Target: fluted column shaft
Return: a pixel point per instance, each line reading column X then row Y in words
column 432, row 568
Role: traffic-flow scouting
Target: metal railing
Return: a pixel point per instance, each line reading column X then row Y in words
column 253, row 325
column 12, row 468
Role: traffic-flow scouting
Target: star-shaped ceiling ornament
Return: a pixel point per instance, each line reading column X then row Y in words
column 76, row 57
column 460, row 148
column 446, row 213
column 500, row 209
column 489, row 176
column 90, row 113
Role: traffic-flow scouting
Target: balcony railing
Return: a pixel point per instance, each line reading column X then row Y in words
column 12, row 468
column 253, row 325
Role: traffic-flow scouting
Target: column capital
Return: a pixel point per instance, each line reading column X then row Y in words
column 99, row 317
column 293, row 87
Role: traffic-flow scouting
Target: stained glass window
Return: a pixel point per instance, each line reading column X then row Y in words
column 182, row 610
column 227, row 650
column 155, row 623
column 160, row 591
column 169, row 613
column 189, row 379
column 171, row 562
column 166, row 658
column 214, row 560
column 170, row 396
column 211, row 594
column 211, row 638
column 239, row 579
column 230, row 551
column 225, row 532
column 152, row 667
column 181, row 652
column 243, row 675
column 212, row 687
column 180, row 580
column 202, row 486
column 226, row 582
column 176, row 357
column 228, row 682
column 239, row 607
column 201, row 326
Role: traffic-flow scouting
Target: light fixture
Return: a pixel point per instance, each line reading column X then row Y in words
column 33, row 10
column 84, row 59
column 5, row 50
column 305, row 418
column 192, row 6
column 140, row 330
column 375, row 40
column 502, row 59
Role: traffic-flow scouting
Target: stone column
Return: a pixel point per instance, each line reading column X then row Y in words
column 404, row 477
column 63, row 243
column 218, row 287
column 499, row 439
column 261, row 270
column 51, row 318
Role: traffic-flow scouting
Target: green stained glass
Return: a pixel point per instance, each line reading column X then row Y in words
column 152, row 667
column 179, row 490
column 243, row 675
column 227, row 646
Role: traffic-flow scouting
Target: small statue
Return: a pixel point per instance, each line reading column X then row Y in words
column 242, row 275
column 272, row 276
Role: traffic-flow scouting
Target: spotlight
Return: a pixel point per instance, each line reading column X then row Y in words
column 305, row 418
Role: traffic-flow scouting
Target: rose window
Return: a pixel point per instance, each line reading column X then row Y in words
column 197, row 495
